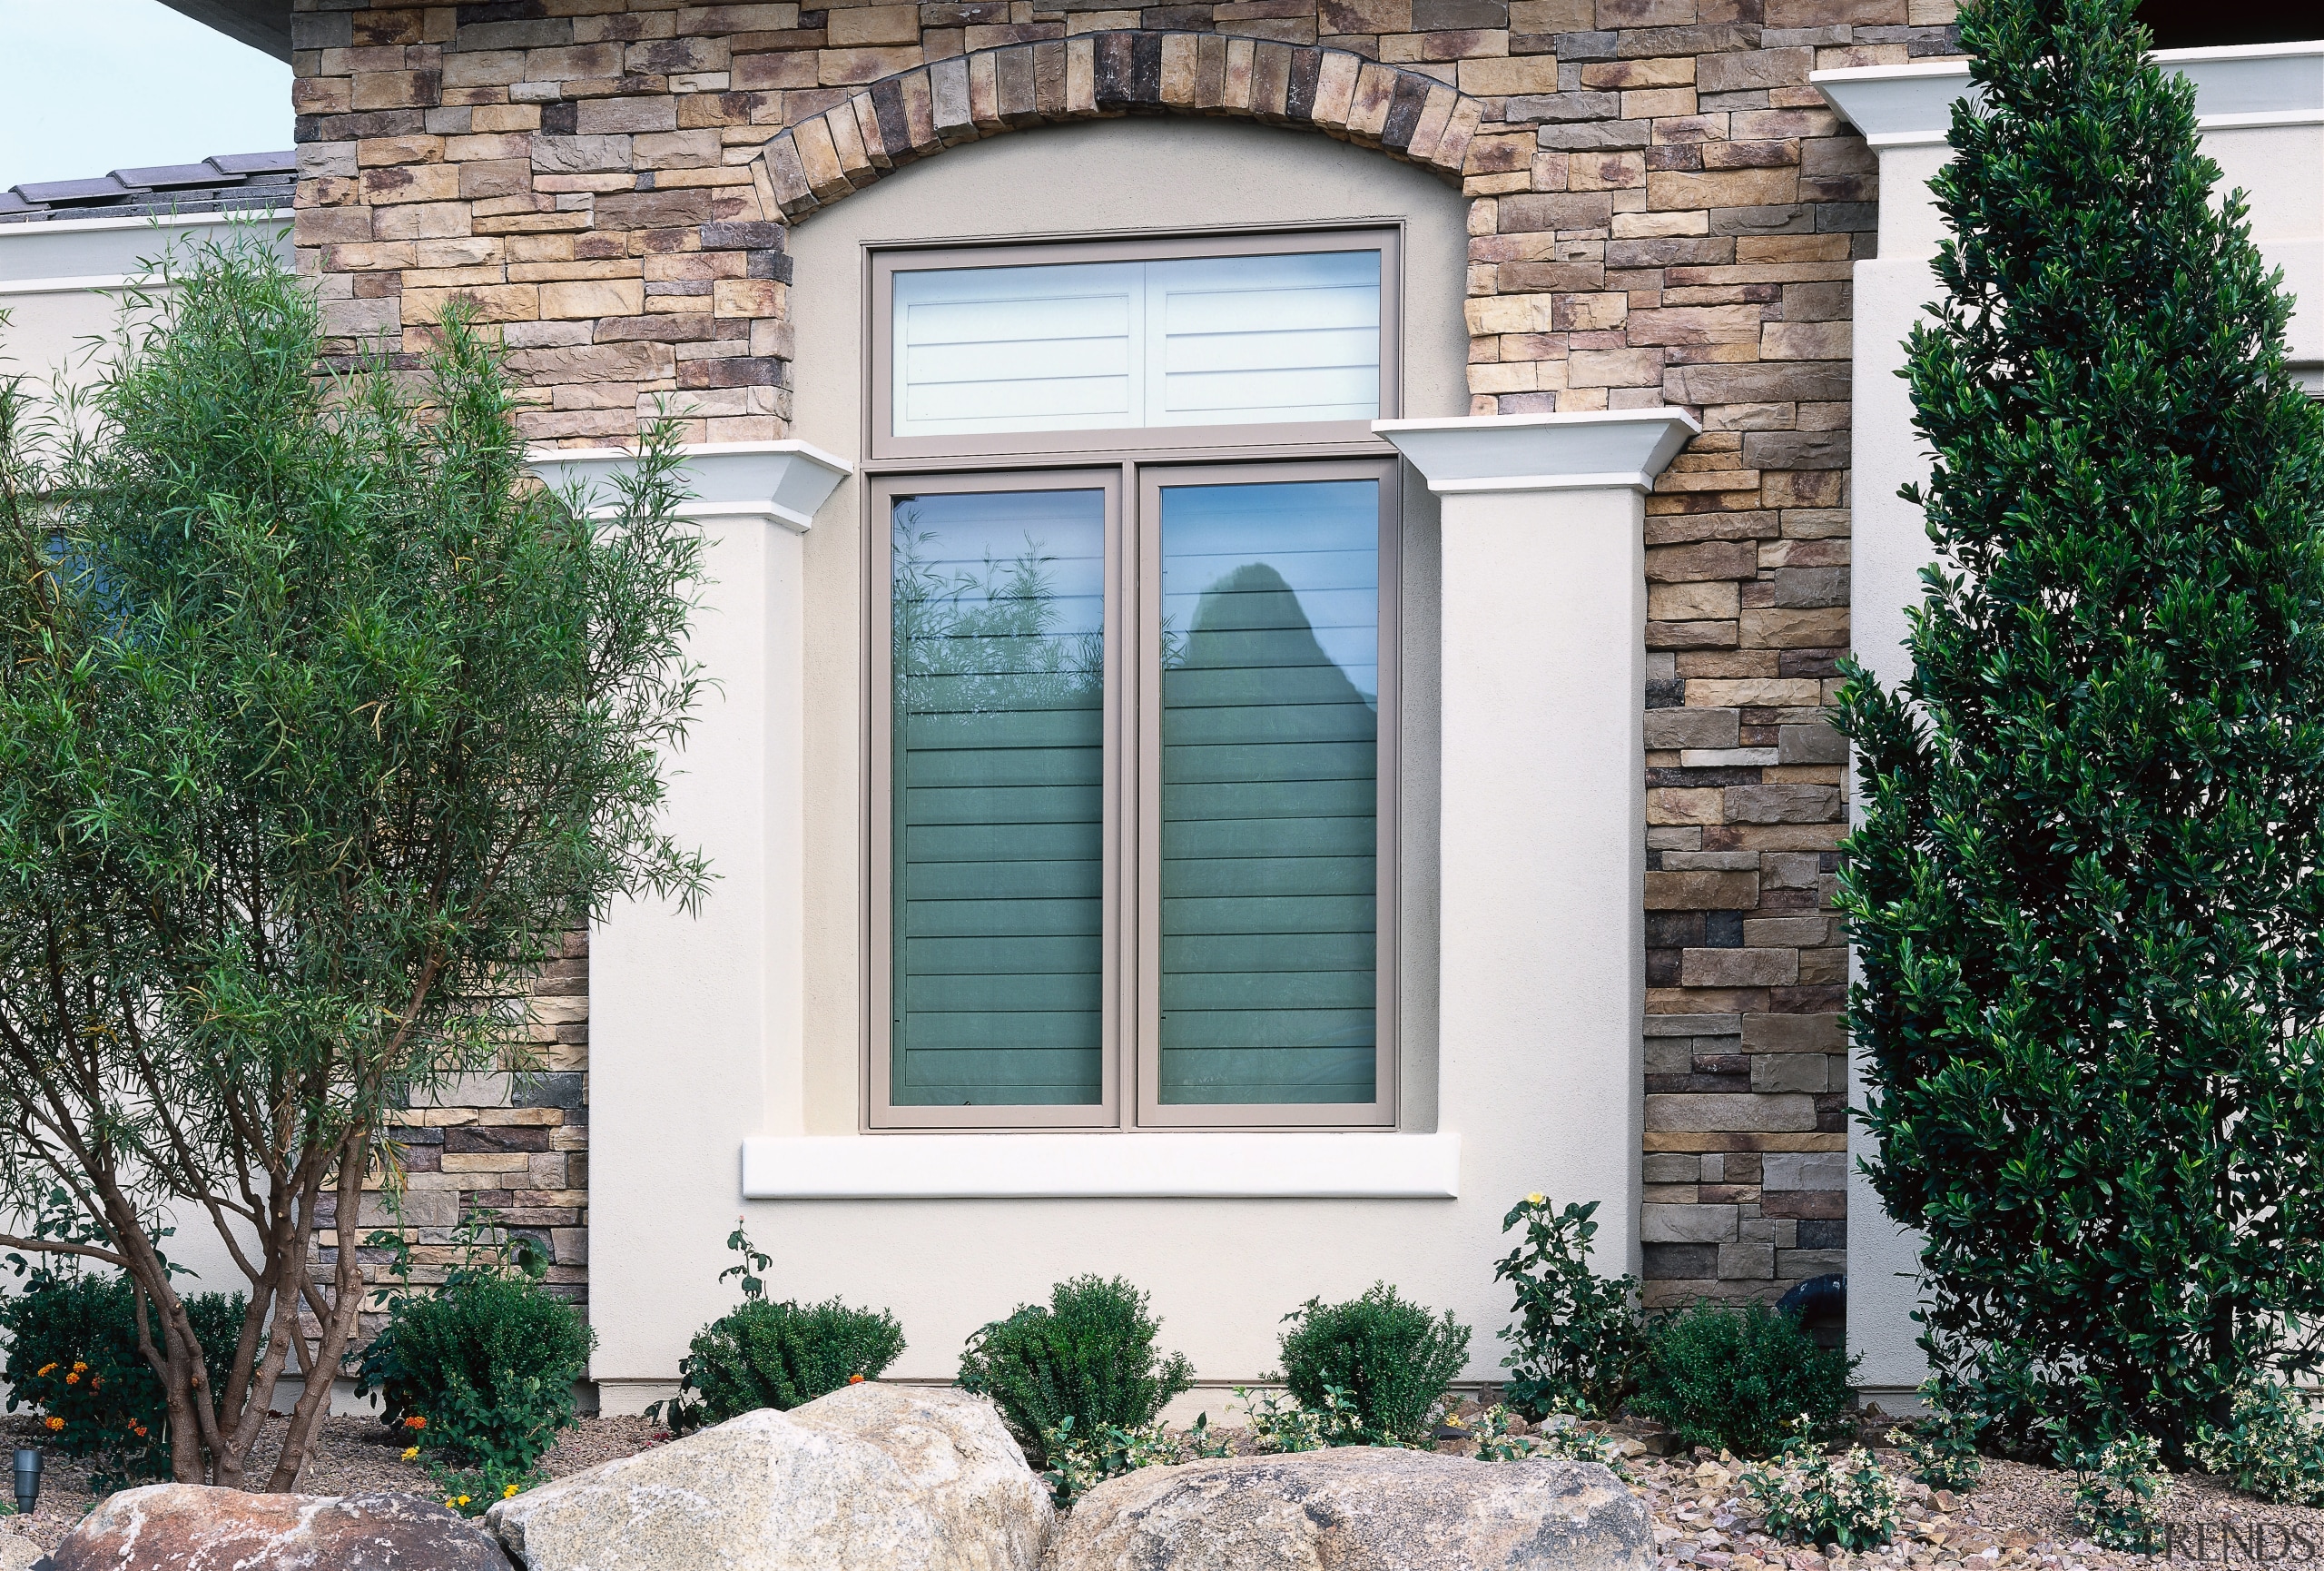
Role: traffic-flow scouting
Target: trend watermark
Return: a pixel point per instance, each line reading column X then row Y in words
column 2224, row 1543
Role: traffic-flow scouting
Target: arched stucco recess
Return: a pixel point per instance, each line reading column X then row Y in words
column 916, row 114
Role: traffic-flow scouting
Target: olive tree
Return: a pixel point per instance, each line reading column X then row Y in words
column 320, row 724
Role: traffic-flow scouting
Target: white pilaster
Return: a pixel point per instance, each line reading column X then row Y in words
column 661, row 980
column 1544, row 948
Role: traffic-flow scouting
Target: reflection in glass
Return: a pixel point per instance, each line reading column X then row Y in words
column 1270, row 757
column 998, row 798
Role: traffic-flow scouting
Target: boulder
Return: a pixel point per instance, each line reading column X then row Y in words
column 1358, row 1509
column 17, row 1553
column 872, row 1477
column 187, row 1528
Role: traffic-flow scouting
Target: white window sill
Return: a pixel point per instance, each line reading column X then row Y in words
column 1209, row 1165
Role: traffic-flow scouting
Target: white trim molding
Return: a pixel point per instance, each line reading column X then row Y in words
column 1146, row 1165
column 1598, row 450
column 783, row 483
column 2244, row 86
column 94, row 283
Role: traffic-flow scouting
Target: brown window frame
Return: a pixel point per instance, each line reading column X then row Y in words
column 880, row 816
column 1147, row 717
column 1131, row 468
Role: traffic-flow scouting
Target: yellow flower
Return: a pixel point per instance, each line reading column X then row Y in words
column 509, row 1493
column 1535, row 1198
column 410, row 1452
column 448, row 1503
column 54, row 1424
column 463, row 1500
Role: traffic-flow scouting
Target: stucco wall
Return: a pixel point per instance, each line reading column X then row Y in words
column 1217, row 1269
column 61, row 282
column 60, row 288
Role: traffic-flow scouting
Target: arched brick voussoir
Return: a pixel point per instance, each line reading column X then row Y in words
column 916, row 114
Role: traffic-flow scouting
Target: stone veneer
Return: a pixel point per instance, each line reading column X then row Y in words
column 1662, row 211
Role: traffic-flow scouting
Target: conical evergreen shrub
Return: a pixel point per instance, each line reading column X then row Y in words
column 2087, row 889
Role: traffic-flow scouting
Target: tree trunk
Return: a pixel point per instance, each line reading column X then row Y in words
column 334, row 1334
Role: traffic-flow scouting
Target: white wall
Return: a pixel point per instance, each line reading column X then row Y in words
column 60, row 288
column 691, row 1055
column 2262, row 111
column 60, row 281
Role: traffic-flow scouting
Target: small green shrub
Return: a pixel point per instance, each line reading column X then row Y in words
column 1494, row 1431
column 779, row 1354
column 1738, row 1379
column 2272, row 1447
column 1808, row 1497
column 1078, row 1464
column 1393, row 1360
column 1281, row 1423
column 481, row 1372
column 2114, row 1489
column 1087, row 1355
column 1943, row 1447
column 1576, row 1443
column 72, row 1357
column 1577, row 1339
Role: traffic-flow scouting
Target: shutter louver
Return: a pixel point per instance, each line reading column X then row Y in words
column 1269, row 811
column 998, row 760
column 1215, row 340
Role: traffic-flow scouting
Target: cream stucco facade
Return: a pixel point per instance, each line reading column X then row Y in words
column 725, row 1046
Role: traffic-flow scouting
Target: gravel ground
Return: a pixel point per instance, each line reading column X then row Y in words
column 2018, row 1516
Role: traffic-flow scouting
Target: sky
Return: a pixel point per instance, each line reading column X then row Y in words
column 92, row 85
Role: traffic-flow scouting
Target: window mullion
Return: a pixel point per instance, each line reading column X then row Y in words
column 1140, row 814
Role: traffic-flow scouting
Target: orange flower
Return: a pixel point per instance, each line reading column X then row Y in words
column 54, row 1424
column 855, row 1379
column 79, row 1367
column 415, row 1422
column 73, row 1379
column 43, row 1369
column 138, row 1430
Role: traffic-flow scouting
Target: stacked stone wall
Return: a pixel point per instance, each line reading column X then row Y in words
column 1662, row 210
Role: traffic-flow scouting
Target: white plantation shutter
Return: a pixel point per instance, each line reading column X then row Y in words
column 1015, row 349
column 1214, row 341
column 1248, row 339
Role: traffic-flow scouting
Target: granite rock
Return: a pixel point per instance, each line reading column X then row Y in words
column 1359, row 1509
column 872, row 1476
column 189, row 1527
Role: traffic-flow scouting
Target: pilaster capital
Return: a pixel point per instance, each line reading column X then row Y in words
column 781, row 482
column 1609, row 449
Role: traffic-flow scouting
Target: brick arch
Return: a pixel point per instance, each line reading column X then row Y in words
column 917, row 114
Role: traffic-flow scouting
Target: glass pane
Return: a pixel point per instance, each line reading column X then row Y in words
column 998, row 793
column 1202, row 341
column 1244, row 339
column 1270, row 759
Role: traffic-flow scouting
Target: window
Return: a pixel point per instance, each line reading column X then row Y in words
column 1133, row 740
column 1275, row 339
